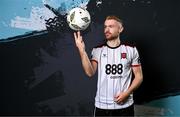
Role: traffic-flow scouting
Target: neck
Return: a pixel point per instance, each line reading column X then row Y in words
column 114, row 42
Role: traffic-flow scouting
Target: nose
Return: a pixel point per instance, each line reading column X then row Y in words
column 106, row 29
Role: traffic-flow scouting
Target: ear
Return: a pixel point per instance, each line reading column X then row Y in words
column 121, row 29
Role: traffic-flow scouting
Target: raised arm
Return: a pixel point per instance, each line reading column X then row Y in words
column 88, row 66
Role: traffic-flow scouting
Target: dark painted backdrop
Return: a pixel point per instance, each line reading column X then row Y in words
column 41, row 73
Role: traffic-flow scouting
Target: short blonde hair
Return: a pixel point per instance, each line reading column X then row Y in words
column 114, row 18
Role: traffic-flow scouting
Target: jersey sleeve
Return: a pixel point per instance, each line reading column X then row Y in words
column 136, row 58
column 94, row 55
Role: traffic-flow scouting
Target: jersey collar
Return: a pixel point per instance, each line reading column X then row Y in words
column 112, row 47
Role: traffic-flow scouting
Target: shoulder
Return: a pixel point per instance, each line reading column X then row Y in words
column 100, row 46
column 98, row 49
column 129, row 47
column 129, row 44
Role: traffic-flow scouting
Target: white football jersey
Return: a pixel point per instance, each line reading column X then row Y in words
column 114, row 73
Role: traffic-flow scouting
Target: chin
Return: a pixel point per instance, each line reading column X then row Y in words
column 109, row 38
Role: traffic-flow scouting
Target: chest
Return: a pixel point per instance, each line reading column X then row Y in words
column 115, row 57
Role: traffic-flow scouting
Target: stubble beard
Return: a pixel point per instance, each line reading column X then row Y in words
column 112, row 37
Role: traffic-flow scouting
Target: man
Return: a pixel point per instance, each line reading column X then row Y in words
column 115, row 62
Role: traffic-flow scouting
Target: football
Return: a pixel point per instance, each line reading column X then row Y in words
column 78, row 19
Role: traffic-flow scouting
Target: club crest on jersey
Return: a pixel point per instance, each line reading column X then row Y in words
column 123, row 56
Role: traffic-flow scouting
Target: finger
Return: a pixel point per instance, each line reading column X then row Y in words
column 116, row 96
column 115, row 99
column 79, row 34
column 118, row 100
column 75, row 36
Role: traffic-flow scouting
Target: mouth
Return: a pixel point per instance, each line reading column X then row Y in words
column 107, row 34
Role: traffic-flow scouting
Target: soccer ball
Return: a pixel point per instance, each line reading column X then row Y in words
column 78, row 19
